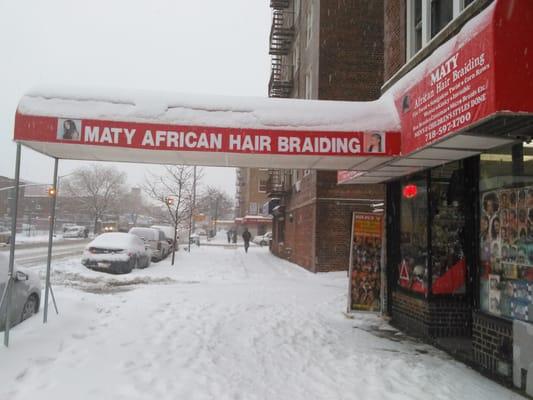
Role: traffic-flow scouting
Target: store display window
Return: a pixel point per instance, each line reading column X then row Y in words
column 432, row 227
column 447, row 218
column 506, row 232
column 413, row 268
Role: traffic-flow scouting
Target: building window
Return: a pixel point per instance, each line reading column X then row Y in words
column 309, row 24
column 441, row 15
column 506, row 232
column 253, row 209
column 263, row 185
column 426, row 18
column 308, row 89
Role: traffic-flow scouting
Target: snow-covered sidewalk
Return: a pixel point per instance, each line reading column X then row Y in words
column 221, row 324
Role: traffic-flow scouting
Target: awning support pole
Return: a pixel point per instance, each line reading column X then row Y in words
column 10, row 279
column 54, row 300
column 50, row 242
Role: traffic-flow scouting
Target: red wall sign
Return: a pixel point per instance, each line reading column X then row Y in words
column 204, row 139
column 453, row 93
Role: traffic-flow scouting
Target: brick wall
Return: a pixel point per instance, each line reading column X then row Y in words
column 493, row 345
column 351, row 49
column 394, row 37
column 336, row 203
column 300, row 236
column 334, row 221
column 431, row 319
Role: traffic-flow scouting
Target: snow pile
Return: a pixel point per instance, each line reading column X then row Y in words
column 231, row 326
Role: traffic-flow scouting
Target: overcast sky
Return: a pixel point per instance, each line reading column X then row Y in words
column 200, row 46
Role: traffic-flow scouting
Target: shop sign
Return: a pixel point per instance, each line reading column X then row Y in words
column 365, row 262
column 456, row 88
column 345, row 176
column 151, row 136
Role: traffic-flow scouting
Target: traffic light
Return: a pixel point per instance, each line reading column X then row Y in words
column 169, row 201
column 51, row 191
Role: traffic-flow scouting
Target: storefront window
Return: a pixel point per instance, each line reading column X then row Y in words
column 447, row 229
column 506, row 232
column 413, row 268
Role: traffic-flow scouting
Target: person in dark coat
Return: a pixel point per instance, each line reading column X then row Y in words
column 228, row 233
column 246, row 236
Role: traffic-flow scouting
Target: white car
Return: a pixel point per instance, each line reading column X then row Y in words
column 116, row 252
column 168, row 231
column 26, row 293
column 76, row 232
column 263, row 240
column 155, row 239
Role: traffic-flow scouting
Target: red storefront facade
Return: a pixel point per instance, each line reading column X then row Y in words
column 459, row 231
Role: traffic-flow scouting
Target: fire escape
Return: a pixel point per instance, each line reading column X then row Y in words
column 281, row 39
column 278, row 183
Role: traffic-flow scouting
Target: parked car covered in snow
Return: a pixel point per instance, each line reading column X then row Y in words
column 26, row 293
column 168, row 231
column 155, row 239
column 76, row 231
column 263, row 240
column 116, row 252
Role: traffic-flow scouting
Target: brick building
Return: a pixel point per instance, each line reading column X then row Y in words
column 250, row 201
column 327, row 50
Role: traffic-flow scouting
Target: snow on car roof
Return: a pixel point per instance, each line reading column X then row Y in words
column 114, row 240
column 147, row 233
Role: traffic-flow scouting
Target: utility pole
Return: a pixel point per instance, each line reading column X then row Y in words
column 191, row 219
column 216, row 212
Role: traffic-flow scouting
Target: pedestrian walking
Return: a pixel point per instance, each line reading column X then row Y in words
column 228, row 233
column 246, row 236
column 234, row 236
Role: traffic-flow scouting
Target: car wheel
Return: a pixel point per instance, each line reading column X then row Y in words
column 30, row 307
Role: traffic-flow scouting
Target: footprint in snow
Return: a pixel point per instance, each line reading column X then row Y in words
column 79, row 336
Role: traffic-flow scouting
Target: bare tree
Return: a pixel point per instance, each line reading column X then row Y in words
column 98, row 189
column 133, row 205
column 173, row 190
column 216, row 203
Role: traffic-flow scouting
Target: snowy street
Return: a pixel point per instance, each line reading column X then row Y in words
column 221, row 324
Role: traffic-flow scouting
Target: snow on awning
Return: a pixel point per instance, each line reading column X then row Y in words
column 164, row 128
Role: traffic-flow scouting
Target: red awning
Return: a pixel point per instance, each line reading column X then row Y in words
column 207, row 130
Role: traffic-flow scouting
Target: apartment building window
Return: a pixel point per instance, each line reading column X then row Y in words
column 426, row 18
column 308, row 89
column 263, row 185
column 253, row 209
column 309, row 24
column 441, row 14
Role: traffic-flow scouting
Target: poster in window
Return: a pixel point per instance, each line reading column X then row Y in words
column 506, row 252
column 365, row 262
